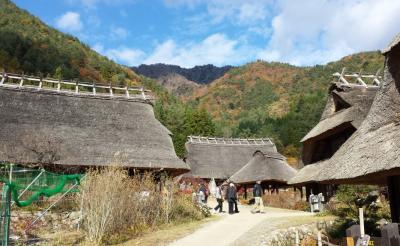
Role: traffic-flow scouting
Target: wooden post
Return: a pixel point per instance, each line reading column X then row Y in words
column 4, row 75
column 40, row 83
column 142, row 92
column 21, row 83
column 393, row 184
column 127, row 91
column 59, row 85
column 77, row 87
column 111, row 91
column 361, row 215
column 94, row 88
column 319, row 238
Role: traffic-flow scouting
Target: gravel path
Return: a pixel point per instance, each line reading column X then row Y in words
column 240, row 229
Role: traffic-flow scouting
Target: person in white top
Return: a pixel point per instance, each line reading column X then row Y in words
column 218, row 196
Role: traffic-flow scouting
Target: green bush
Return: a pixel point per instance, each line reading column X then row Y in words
column 350, row 199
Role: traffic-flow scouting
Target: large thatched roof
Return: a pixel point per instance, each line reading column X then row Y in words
column 346, row 108
column 373, row 151
column 346, row 104
column 309, row 173
column 50, row 127
column 220, row 158
column 264, row 166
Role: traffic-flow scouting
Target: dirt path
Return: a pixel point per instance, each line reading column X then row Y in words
column 230, row 229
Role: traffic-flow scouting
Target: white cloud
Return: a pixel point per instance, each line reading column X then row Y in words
column 124, row 55
column 119, row 33
column 70, row 21
column 94, row 3
column 237, row 11
column 99, row 48
column 318, row 31
column 216, row 49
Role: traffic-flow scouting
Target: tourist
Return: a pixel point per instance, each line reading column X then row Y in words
column 231, row 196
column 203, row 191
column 258, row 202
column 218, row 196
column 236, row 199
column 182, row 186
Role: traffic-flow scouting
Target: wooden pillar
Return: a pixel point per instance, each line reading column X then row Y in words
column 393, row 183
column 245, row 191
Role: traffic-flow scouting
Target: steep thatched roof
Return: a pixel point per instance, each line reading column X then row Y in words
column 220, row 158
column 309, row 173
column 373, row 151
column 264, row 166
column 346, row 104
column 50, row 127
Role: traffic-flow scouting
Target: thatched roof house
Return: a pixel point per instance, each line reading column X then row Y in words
column 264, row 167
column 346, row 108
column 220, row 158
column 344, row 112
column 309, row 173
column 54, row 127
column 373, row 152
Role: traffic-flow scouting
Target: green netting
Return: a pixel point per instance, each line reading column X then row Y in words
column 35, row 182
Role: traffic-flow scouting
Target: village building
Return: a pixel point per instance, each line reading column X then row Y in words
column 371, row 155
column 270, row 168
column 347, row 106
column 71, row 126
column 220, row 158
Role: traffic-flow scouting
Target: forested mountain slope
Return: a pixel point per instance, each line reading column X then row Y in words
column 28, row 45
column 282, row 101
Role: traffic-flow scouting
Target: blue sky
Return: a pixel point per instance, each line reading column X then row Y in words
column 222, row 32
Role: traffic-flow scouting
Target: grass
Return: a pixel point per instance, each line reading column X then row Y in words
column 168, row 233
column 161, row 236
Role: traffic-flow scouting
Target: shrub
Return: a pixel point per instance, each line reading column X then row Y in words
column 285, row 199
column 349, row 199
column 117, row 206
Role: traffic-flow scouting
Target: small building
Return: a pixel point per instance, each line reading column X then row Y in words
column 220, row 158
column 372, row 154
column 69, row 126
column 346, row 108
column 270, row 168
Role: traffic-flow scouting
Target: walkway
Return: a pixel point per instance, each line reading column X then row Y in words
column 230, row 229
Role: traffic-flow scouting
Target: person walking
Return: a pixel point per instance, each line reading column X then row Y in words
column 203, row 191
column 236, row 199
column 219, row 197
column 231, row 196
column 258, row 201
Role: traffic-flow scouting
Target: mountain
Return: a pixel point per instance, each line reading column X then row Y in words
column 269, row 99
column 199, row 74
column 177, row 84
column 27, row 45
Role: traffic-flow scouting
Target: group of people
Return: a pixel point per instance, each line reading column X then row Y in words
column 224, row 192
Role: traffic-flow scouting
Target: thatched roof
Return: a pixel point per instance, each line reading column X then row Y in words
column 264, row 166
column 309, row 173
column 373, row 151
column 44, row 126
column 346, row 104
column 220, row 158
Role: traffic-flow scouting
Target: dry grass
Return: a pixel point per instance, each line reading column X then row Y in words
column 285, row 199
column 168, row 234
column 117, row 207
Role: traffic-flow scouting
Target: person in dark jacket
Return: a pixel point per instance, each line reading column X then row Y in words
column 204, row 190
column 231, row 197
column 258, row 202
